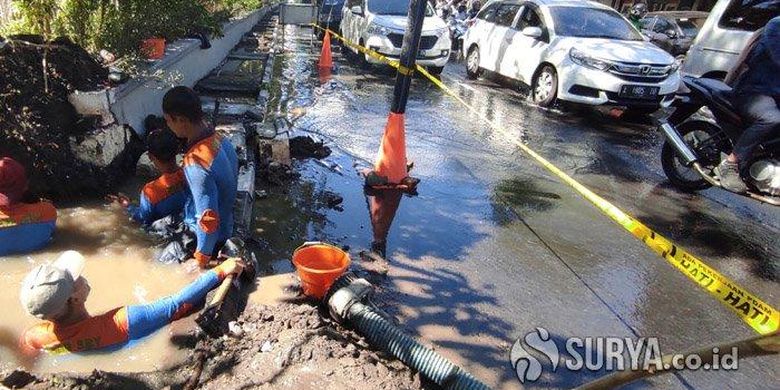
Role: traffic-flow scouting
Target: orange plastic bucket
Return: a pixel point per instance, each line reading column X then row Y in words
column 319, row 265
column 153, row 48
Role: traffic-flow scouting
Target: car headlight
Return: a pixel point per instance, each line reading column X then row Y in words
column 375, row 29
column 443, row 32
column 676, row 65
column 587, row 61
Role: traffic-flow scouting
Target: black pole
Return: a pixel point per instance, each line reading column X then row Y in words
column 409, row 50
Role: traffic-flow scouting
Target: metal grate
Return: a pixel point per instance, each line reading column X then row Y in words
column 426, row 41
column 641, row 73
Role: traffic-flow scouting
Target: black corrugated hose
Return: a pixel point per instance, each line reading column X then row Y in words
column 430, row 364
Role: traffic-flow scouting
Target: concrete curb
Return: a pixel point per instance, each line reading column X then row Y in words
column 131, row 102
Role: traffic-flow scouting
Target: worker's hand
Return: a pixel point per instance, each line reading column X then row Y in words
column 120, row 199
column 233, row 265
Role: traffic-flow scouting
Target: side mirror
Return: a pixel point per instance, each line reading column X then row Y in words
column 357, row 10
column 671, row 33
column 533, row 32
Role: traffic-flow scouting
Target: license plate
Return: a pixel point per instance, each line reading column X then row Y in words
column 638, row 91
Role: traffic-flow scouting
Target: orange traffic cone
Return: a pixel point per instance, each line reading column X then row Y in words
column 326, row 60
column 383, row 206
column 391, row 162
column 324, row 74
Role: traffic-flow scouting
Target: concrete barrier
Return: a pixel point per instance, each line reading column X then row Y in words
column 131, row 102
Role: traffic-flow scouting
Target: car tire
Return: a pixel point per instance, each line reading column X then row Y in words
column 707, row 148
column 435, row 70
column 544, row 90
column 472, row 63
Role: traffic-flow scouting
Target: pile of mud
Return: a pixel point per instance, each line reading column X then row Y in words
column 306, row 147
column 35, row 125
column 286, row 346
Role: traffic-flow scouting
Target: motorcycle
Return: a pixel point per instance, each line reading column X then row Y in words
column 694, row 144
column 457, row 32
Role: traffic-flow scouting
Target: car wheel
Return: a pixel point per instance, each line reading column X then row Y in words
column 707, row 141
column 435, row 70
column 472, row 63
column 545, row 87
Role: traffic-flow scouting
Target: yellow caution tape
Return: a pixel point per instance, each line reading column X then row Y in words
column 759, row 315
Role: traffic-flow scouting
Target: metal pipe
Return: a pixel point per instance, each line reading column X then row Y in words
column 674, row 138
column 409, row 50
column 345, row 301
column 706, row 176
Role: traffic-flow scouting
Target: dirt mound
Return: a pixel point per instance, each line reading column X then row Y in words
column 289, row 346
column 306, row 147
column 35, row 125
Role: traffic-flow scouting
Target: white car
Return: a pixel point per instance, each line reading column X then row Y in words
column 578, row 51
column 725, row 34
column 380, row 24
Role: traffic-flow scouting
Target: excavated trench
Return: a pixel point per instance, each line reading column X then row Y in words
column 281, row 340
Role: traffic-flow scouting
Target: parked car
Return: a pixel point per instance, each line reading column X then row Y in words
column 725, row 34
column 380, row 25
column 577, row 51
column 330, row 13
column 673, row 31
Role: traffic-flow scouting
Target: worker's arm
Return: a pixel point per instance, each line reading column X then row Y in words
column 142, row 320
column 771, row 39
column 205, row 196
column 144, row 212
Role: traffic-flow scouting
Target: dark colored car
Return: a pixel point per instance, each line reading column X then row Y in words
column 330, row 13
column 673, row 31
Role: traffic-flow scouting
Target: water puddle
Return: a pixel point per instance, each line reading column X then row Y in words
column 121, row 271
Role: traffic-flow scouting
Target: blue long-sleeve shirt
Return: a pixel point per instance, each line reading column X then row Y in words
column 211, row 170
column 763, row 64
column 122, row 325
column 159, row 198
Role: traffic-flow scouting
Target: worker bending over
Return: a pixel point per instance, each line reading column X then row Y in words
column 165, row 195
column 57, row 294
column 24, row 227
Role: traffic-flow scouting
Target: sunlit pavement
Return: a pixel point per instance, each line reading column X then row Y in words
column 493, row 246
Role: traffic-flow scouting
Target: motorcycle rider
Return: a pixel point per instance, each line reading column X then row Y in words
column 756, row 95
column 474, row 8
column 636, row 13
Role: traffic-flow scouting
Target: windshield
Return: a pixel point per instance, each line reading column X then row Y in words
column 688, row 27
column 394, row 7
column 592, row 23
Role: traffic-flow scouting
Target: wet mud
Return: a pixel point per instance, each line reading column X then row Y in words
column 36, row 123
column 278, row 346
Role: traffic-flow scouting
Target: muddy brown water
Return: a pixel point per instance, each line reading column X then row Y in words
column 120, row 270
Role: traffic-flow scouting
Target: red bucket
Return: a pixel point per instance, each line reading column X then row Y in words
column 153, row 48
column 319, row 265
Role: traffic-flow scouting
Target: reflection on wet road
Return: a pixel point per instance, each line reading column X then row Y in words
column 493, row 247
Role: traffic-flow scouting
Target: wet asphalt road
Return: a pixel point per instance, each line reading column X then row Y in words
column 493, row 246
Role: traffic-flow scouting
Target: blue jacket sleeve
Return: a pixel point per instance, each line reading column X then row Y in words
column 206, row 199
column 143, row 320
column 143, row 213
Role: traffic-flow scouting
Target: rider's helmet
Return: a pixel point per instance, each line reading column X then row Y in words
column 638, row 10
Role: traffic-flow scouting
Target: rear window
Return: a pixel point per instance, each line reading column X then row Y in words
column 749, row 15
